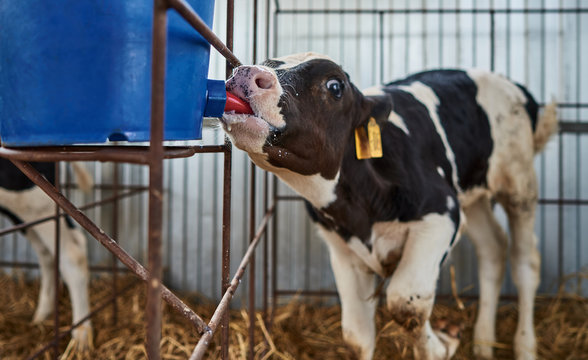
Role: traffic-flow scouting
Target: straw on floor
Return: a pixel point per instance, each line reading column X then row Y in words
column 301, row 330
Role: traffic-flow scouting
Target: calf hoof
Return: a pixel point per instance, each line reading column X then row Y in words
column 83, row 337
column 449, row 333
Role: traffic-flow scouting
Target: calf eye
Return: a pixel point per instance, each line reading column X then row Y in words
column 335, row 87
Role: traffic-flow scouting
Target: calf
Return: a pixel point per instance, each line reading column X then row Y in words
column 22, row 201
column 452, row 142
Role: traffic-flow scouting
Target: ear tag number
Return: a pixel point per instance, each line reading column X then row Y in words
column 375, row 139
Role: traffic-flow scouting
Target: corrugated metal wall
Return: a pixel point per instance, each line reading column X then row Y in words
column 542, row 50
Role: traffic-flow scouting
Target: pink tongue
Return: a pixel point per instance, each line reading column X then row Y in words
column 237, row 105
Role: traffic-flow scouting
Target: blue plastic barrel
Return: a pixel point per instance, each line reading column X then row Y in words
column 80, row 72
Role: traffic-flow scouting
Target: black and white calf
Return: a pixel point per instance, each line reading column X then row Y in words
column 22, row 201
column 452, row 141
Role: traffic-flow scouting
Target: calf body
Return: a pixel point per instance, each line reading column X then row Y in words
column 22, row 201
column 452, row 141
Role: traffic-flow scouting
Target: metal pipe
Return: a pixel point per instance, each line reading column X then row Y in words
column 226, row 243
column 115, row 236
column 126, row 154
column 252, row 265
column 431, row 11
column 186, row 11
column 153, row 306
column 57, row 242
column 108, row 242
column 223, row 305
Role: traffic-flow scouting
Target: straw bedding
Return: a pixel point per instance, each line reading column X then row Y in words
column 301, row 330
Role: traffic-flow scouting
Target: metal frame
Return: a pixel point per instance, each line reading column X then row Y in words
column 152, row 156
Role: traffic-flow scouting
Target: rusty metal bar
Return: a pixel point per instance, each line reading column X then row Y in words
column 85, row 207
column 57, row 242
column 108, row 243
column 114, row 267
column 407, row 11
column 252, row 264
column 223, row 305
column 153, row 306
column 186, row 11
column 125, row 154
column 226, row 243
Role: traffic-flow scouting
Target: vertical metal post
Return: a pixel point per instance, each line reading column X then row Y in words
column 115, row 188
column 56, row 269
column 252, row 203
column 226, row 246
column 265, row 249
column 252, row 264
column 274, row 252
column 492, row 39
column 153, row 308
column 226, row 249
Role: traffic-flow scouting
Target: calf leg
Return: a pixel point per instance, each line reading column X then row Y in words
column 46, row 265
column 491, row 245
column 74, row 270
column 525, row 263
column 411, row 291
column 356, row 288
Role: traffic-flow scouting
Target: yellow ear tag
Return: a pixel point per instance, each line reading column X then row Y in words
column 375, row 139
column 362, row 144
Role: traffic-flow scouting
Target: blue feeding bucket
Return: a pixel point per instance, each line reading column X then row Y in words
column 80, row 72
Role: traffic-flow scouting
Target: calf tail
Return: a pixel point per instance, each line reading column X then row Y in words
column 83, row 177
column 546, row 126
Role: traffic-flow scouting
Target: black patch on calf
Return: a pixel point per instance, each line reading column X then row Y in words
column 11, row 178
column 12, row 216
column 465, row 122
column 531, row 106
column 273, row 63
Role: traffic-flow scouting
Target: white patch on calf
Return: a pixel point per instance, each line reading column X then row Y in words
column 510, row 126
column 293, row 60
column 397, row 120
column 440, row 171
column 374, row 91
column 427, row 97
column 355, row 285
column 320, row 192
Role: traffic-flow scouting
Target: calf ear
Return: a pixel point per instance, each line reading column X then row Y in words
column 363, row 108
column 378, row 106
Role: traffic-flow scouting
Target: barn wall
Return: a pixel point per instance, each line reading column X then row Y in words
column 542, row 51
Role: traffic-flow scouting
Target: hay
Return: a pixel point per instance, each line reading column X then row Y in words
column 300, row 331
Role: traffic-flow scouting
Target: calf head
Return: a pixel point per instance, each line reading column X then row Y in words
column 305, row 109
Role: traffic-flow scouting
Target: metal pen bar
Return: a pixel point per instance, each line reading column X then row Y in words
column 115, row 236
column 226, row 235
column 431, row 11
column 108, row 242
column 153, row 305
column 57, row 242
column 126, row 154
column 186, row 11
column 226, row 242
column 223, row 305
column 252, row 198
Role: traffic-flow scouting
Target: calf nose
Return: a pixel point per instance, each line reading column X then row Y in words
column 249, row 81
